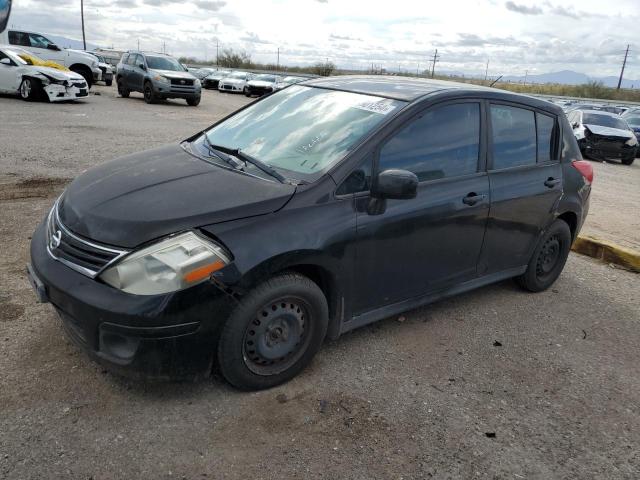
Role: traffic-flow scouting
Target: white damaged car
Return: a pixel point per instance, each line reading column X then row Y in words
column 19, row 76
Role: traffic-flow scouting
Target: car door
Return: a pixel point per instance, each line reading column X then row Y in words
column 526, row 183
column 45, row 48
column 135, row 74
column 9, row 81
column 426, row 243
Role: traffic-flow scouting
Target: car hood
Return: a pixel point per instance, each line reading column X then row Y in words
column 57, row 74
column 147, row 195
column 609, row 132
column 260, row 83
column 173, row 74
column 91, row 58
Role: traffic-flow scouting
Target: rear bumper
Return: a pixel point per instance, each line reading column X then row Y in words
column 162, row 337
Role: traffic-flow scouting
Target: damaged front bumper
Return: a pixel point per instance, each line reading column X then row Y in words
column 57, row 92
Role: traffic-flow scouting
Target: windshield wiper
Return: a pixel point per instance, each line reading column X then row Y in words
column 221, row 154
column 246, row 158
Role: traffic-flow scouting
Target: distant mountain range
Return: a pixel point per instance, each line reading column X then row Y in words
column 564, row 77
column 65, row 42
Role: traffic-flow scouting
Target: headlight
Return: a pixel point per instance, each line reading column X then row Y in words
column 196, row 82
column 94, row 64
column 169, row 265
column 632, row 142
column 161, row 79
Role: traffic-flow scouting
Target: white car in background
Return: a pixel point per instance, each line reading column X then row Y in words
column 235, row 82
column 286, row 81
column 19, row 77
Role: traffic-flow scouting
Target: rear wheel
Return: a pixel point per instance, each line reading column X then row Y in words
column 548, row 258
column 122, row 90
column 273, row 333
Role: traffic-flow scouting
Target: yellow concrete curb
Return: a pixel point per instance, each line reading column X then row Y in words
column 608, row 252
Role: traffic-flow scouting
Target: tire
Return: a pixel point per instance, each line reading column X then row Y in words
column 548, row 259
column 193, row 101
column 85, row 72
column 245, row 90
column 628, row 160
column 149, row 95
column 30, row 89
column 273, row 333
column 122, row 90
column 108, row 83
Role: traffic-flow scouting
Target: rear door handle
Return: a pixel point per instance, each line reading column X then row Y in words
column 551, row 182
column 473, row 198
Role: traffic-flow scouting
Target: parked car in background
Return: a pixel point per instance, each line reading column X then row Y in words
column 633, row 120
column 261, row 85
column 202, row 73
column 156, row 76
column 321, row 208
column 603, row 136
column 235, row 82
column 213, row 80
column 291, row 80
column 77, row 61
column 18, row 76
column 106, row 69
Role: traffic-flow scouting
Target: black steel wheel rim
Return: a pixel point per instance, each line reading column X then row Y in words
column 548, row 257
column 147, row 93
column 277, row 336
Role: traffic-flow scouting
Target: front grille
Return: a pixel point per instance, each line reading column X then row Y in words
column 77, row 253
column 182, row 89
column 181, row 82
column 80, row 85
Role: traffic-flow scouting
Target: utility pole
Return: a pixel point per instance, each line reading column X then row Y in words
column 138, row 44
column 84, row 39
column 624, row 64
column 164, row 47
column 433, row 66
column 278, row 62
column 486, row 71
column 526, row 74
column 217, row 52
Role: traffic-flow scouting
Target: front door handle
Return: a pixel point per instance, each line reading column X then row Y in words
column 551, row 182
column 473, row 198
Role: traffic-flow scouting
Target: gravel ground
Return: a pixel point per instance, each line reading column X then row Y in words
column 496, row 383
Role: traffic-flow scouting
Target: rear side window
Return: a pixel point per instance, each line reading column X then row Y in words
column 125, row 58
column 514, row 136
column 443, row 142
column 19, row 38
column 546, row 137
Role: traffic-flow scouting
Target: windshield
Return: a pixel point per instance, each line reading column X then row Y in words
column 604, row 121
column 164, row 63
column 635, row 121
column 238, row 75
column 303, row 130
column 266, row 78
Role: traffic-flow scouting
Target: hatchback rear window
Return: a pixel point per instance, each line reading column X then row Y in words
column 514, row 136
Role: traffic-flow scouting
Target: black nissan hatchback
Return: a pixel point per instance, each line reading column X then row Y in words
column 321, row 208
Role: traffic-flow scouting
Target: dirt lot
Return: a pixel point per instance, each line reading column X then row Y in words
column 496, row 383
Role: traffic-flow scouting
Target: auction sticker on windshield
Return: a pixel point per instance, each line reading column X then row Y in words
column 382, row 107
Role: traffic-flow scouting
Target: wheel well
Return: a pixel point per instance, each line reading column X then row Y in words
column 79, row 66
column 321, row 277
column 571, row 219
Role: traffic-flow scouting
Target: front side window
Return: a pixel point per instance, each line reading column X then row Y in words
column 164, row 63
column 133, row 58
column 514, row 136
column 357, row 181
column 303, row 130
column 38, row 41
column 443, row 142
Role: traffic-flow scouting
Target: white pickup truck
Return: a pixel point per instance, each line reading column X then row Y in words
column 75, row 60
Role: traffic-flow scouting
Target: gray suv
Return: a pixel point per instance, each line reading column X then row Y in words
column 157, row 77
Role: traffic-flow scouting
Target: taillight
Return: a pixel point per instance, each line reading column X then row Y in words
column 585, row 169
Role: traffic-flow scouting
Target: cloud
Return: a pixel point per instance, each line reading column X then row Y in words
column 211, row 5
column 523, row 9
column 251, row 37
column 344, row 37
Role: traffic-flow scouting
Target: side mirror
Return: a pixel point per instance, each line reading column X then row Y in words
column 6, row 61
column 142, row 66
column 396, row 184
column 52, row 46
column 575, row 125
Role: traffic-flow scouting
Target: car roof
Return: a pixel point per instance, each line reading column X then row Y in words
column 395, row 87
column 599, row 112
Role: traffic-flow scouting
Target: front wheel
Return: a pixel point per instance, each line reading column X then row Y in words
column 548, row 258
column 273, row 333
column 193, row 101
column 149, row 95
column 629, row 160
column 108, row 83
column 30, row 89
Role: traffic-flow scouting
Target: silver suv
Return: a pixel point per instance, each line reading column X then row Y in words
column 156, row 76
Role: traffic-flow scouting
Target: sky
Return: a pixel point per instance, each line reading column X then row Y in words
column 515, row 36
